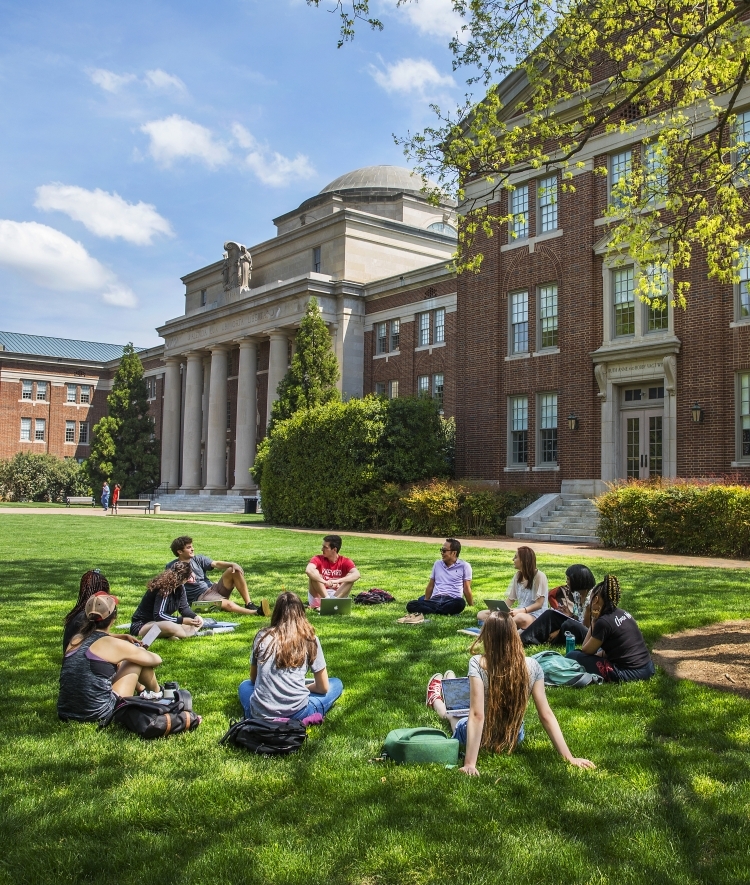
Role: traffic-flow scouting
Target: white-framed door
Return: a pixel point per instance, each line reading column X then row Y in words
column 642, row 443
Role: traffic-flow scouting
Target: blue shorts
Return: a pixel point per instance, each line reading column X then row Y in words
column 460, row 733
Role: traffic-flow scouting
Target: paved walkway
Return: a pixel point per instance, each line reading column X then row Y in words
column 572, row 552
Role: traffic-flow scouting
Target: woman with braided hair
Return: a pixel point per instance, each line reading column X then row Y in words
column 501, row 680
column 614, row 647
column 92, row 582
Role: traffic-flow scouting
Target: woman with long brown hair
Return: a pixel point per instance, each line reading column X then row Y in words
column 165, row 595
column 500, row 683
column 282, row 654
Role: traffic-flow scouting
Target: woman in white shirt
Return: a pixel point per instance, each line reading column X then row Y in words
column 528, row 590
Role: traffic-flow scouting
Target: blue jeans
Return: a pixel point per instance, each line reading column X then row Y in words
column 437, row 605
column 460, row 733
column 590, row 664
column 318, row 703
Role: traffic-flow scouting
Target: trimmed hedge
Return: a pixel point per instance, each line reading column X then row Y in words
column 37, row 477
column 686, row 518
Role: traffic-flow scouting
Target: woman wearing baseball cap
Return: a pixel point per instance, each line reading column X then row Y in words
column 98, row 667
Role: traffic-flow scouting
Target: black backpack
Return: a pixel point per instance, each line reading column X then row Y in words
column 374, row 597
column 154, row 719
column 266, row 737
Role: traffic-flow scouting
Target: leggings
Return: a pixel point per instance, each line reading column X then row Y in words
column 538, row 633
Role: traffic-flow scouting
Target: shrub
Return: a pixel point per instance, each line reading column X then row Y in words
column 36, row 477
column 678, row 517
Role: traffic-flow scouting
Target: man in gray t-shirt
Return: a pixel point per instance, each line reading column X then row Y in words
column 449, row 589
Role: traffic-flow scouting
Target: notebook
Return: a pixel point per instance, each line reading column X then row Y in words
column 150, row 636
column 496, row 605
column 456, row 696
column 335, row 606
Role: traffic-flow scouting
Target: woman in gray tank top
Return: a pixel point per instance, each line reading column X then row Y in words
column 99, row 667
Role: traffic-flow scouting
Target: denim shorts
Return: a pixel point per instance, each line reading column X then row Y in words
column 460, row 733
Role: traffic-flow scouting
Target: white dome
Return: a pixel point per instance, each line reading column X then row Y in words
column 392, row 178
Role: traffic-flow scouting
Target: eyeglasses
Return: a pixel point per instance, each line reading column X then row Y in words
column 446, row 550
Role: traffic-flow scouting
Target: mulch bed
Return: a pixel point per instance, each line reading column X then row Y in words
column 717, row 656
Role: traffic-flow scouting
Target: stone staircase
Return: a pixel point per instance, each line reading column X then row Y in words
column 574, row 520
column 201, row 503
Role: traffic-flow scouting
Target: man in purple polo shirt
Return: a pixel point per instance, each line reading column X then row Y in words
column 449, row 588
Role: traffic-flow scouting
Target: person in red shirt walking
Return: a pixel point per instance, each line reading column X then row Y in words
column 330, row 574
column 115, row 498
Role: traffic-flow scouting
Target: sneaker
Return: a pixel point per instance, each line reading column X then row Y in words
column 416, row 618
column 315, row 604
column 151, row 695
column 434, row 689
column 264, row 608
column 252, row 608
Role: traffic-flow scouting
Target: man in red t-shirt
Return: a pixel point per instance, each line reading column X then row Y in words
column 330, row 574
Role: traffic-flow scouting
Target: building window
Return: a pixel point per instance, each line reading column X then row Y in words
column 380, row 388
column 744, row 416
column 519, row 430
column 27, row 389
column 424, row 329
column 70, row 431
column 546, row 190
column 742, row 145
column 203, row 297
column 40, row 425
column 394, row 389
column 440, row 324
column 655, row 177
column 548, row 316
column 620, row 166
column 316, row 260
column 519, row 322
column 743, row 287
column 71, row 397
column 86, row 393
column 25, row 429
column 624, row 301
column 658, row 317
column 229, row 415
column 442, row 228
column 381, row 334
column 83, row 433
column 423, row 385
column 519, row 209
column 548, row 427
column 437, row 389
column 395, row 334
column 41, row 390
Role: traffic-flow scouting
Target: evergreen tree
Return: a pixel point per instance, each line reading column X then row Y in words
column 123, row 447
column 312, row 376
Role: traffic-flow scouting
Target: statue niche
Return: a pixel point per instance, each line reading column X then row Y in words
column 237, row 268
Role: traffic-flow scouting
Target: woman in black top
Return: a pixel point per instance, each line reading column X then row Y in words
column 92, row 582
column 614, row 647
column 165, row 596
column 552, row 625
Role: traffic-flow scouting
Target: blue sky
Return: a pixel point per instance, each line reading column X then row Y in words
column 137, row 137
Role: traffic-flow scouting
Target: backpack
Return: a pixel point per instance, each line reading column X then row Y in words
column 420, row 746
column 154, row 719
column 266, row 737
column 559, row 670
column 374, row 597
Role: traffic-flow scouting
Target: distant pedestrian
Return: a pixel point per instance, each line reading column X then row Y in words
column 105, row 496
column 115, row 498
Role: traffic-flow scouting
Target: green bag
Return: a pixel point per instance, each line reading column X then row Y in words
column 420, row 746
column 559, row 670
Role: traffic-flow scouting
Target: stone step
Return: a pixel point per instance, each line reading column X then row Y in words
column 202, row 503
column 569, row 539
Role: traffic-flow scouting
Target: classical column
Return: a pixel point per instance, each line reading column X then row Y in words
column 191, row 442
column 170, row 431
column 204, row 426
column 247, row 407
column 216, row 444
column 277, row 365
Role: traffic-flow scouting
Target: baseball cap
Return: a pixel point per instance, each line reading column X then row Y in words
column 100, row 606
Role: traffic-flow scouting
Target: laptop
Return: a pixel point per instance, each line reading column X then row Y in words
column 496, row 605
column 336, row 606
column 205, row 607
column 456, row 696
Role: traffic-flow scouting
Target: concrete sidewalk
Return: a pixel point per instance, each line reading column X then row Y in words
column 572, row 552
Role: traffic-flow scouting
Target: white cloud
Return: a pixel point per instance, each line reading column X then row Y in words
column 411, row 75
column 46, row 257
column 109, row 81
column 434, row 17
column 175, row 138
column 271, row 167
column 104, row 214
column 159, row 79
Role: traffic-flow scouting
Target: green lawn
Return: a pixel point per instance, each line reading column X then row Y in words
column 668, row 802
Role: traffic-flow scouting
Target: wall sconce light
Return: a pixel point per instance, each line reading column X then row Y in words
column 697, row 413
column 573, row 422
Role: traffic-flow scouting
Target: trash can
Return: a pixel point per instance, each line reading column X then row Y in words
column 251, row 505
column 157, row 509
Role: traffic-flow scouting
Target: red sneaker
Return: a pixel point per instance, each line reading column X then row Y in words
column 434, row 689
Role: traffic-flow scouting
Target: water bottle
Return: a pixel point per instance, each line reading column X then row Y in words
column 570, row 642
column 169, row 689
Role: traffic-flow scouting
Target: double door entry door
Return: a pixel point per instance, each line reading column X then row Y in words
column 642, row 438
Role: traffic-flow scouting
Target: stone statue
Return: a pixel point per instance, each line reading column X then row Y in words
column 238, row 264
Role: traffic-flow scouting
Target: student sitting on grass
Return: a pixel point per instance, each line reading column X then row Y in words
column 449, row 589
column 613, row 647
column 164, row 596
column 528, row 589
column 552, row 625
column 92, row 581
column 500, row 683
column 282, row 655
column 98, row 667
